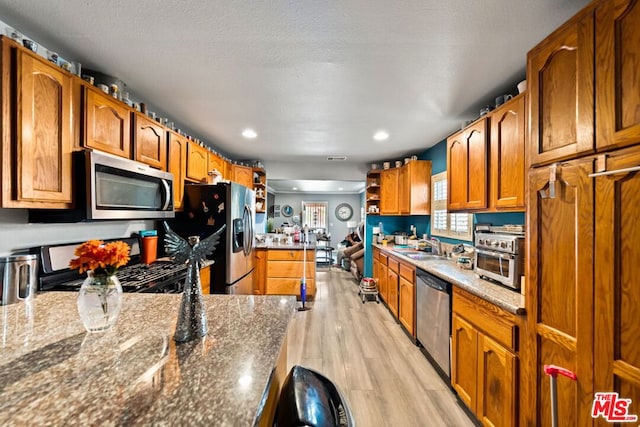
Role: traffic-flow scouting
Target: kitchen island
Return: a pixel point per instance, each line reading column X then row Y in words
column 53, row 372
column 280, row 268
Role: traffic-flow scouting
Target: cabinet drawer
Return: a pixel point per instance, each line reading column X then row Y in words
column 494, row 321
column 393, row 265
column 280, row 286
column 407, row 271
column 383, row 258
column 289, row 269
column 290, row 255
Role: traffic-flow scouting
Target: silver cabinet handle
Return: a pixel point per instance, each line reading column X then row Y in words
column 614, row 172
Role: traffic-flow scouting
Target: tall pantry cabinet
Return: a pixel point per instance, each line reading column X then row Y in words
column 583, row 204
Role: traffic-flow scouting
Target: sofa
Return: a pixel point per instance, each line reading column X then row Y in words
column 355, row 257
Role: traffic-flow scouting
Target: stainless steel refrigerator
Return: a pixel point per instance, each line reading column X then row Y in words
column 205, row 209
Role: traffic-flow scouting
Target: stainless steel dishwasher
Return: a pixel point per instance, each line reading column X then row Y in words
column 433, row 323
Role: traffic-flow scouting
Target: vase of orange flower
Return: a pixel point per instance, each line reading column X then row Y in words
column 100, row 297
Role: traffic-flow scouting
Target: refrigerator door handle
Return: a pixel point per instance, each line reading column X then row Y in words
column 248, row 230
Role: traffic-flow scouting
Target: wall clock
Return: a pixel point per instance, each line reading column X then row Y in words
column 344, row 211
column 287, row 210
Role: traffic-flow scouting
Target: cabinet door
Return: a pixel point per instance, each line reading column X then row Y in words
column 107, row 124
column 508, row 155
column 216, row 162
column 617, row 64
column 477, row 162
column 205, row 280
column 403, row 186
column 260, row 274
column 197, row 162
column 415, row 188
column 389, row 204
column 177, row 165
column 243, row 175
column 392, row 291
column 617, row 294
column 406, row 308
column 464, row 360
column 496, row 384
column 150, row 142
column 383, row 282
column 559, row 291
column 43, row 138
column 457, row 172
column 560, row 82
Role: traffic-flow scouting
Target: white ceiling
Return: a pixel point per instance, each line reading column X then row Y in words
column 313, row 78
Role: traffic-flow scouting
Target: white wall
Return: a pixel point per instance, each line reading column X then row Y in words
column 337, row 228
column 17, row 235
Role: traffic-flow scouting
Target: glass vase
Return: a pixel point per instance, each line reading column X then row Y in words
column 99, row 301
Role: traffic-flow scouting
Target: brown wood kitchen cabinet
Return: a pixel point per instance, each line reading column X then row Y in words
column 37, row 131
column 414, row 188
column 106, row 123
column 484, row 361
column 406, row 297
column 285, row 269
column 260, row 273
column 559, row 288
column 149, row 141
column 381, row 275
column 373, row 192
column 242, row 175
column 260, row 187
column 197, row 163
column 214, row 161
column 467, row 167
column 617, row 295
column 560, row 80
column 393, row 270
column 507, row 168
column 389, row 192
column 177, row 165
column 617, row 63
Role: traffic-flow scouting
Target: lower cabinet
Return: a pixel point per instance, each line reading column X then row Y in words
column 381, row 276
column 205, row 280
column 406, row 297
column 393, row 270
column 284, row 270
column 484, row 359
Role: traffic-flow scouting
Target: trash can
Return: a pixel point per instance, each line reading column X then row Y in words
column 311, row 399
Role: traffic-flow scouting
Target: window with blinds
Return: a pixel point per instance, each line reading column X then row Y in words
column 444, row 224
column 315, row 214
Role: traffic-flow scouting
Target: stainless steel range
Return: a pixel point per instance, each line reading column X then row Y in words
column 500, row 257
column 158, row 277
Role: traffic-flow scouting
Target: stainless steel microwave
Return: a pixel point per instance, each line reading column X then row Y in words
column 111, row 187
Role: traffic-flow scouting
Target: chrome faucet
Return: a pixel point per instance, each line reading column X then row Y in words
column 436, row 246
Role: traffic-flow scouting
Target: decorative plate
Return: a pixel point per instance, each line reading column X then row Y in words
column 344, row 211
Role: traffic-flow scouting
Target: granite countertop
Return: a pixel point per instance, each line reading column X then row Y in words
column 510, row 300
column 55, row 373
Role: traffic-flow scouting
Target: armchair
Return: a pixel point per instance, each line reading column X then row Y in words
column 355, row 255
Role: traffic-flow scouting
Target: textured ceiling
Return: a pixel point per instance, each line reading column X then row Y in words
column 313, row 78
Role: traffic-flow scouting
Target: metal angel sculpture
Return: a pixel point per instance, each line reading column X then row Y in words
column 192, row 320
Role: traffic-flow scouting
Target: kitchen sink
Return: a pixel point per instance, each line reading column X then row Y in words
column 417, row 255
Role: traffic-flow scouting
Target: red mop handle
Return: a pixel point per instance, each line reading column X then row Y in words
column 554, row 370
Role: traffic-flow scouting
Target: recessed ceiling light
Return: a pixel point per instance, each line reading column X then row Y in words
column 295, row 188
column 249, row 133
column 381, row 135
column 340, row 188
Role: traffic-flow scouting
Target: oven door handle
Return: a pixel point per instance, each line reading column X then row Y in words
column 500, row 255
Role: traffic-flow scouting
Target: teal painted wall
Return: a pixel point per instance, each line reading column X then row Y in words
column 438, row 156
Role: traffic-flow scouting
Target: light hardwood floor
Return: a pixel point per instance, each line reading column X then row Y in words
column 384, row 376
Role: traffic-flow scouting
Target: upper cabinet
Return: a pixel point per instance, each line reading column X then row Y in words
column 507, row 166
column 177, row 165
column 389, row 191
column 467, row 154
column 37, row 130
column 197, row 162
column 560, row 79
column 218, row 163
column 414, row 188
column 106, row 122
column 149, row 142
column 260, row 187
column 617, row 65
column 242, row 175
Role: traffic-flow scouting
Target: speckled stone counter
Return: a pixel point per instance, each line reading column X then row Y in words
column 52, row 372
column 511, row 301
